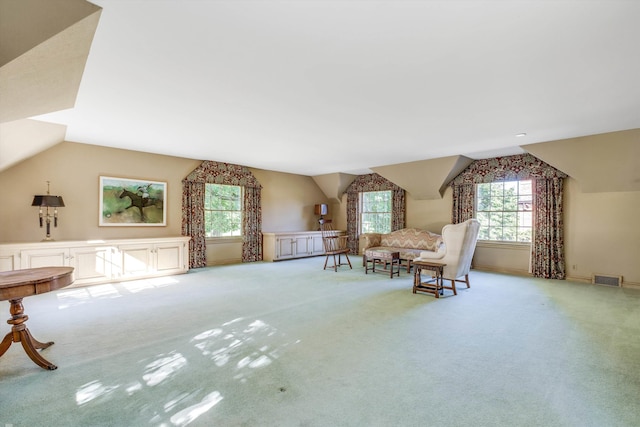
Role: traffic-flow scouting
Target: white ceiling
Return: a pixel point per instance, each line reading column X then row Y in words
column 317, row 87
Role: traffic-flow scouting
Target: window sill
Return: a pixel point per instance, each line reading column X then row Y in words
column 223, row 240
column 495, row 244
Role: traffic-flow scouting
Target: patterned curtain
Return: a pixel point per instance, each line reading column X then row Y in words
column 548, row 245
column 252, row 225
column 193, row 189
column 399, row 209
column 372, row 182
column 193, row 222
column 353, row 222
column 548, row 239
column 464, row 199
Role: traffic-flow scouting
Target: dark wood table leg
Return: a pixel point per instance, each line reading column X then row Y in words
column 438, row 282
column 6, row 342
column 20, row 333
column 437, row 289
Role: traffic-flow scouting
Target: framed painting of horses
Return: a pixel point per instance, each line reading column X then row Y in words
column 132, row 202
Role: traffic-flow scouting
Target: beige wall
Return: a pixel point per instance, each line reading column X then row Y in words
column 429, row 215
column 74, row 170
column 602, row 234
column 288, row 201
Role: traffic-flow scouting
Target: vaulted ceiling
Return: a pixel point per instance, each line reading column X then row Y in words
column 317, row 87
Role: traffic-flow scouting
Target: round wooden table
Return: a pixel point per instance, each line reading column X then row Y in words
column 17, row 284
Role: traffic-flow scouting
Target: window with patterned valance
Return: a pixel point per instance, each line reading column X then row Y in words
column 372, row 182
column 193, row 199
column 547, row 248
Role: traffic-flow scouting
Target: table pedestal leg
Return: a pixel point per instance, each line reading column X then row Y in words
column 20, row 333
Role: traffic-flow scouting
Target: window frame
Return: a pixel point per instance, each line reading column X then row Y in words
column 362, row 212
column 519, row 198
column 240, row 211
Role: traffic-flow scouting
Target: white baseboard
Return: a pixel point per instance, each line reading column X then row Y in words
column 580, row 279
column 491, row 269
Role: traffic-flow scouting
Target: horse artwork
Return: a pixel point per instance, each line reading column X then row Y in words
column 129, row 202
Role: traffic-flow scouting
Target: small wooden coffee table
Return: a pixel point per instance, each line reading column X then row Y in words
column 383, row 256
column 17, row 284
column 435, row 285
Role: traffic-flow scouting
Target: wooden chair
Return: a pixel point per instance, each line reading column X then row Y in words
column 334, row 244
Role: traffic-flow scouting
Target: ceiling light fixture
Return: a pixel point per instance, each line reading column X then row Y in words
column 520, row 135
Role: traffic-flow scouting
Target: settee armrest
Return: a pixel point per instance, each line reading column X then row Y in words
column 369, row 240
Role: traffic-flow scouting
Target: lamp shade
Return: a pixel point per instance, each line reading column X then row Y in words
column 47, row 200
column 321, row 209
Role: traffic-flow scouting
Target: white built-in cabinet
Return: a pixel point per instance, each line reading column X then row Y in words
column 104, row 260
column 291, row 244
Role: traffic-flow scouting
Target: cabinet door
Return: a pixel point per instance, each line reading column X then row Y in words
column 302, row 246
column 9, row 261
column 135, row 260
column 169, row 257
column 50, row 257
column 317, row 245
column 91, row 263
column 285, row 247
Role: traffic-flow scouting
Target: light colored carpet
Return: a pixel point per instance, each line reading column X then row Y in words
column 288, row 344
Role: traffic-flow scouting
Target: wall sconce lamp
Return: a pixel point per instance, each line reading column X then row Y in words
column 321, row 210
column 48, row 201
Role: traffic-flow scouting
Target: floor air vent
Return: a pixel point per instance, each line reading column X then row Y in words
column 606, row 280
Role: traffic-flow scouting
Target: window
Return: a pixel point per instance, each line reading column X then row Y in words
column 222, row 210
column 375, row 211
column 505, row 211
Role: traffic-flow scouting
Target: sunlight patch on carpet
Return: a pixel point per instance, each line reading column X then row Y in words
column 187, row 415
column 163, row 368
column 92, row 391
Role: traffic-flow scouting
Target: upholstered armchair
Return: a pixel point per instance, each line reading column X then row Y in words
column 460, row 244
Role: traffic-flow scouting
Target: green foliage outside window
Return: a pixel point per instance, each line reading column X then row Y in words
column 375, row 208
column 505, row 211
column 223, row 210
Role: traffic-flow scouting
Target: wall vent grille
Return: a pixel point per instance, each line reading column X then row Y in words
column 606, row 280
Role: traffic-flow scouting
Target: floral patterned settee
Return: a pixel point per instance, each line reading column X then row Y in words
column 408, row 241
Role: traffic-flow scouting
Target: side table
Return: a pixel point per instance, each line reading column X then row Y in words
column 435, row 285
column 386, row 256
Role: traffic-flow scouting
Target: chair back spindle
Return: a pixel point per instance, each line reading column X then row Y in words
column 334, row 244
